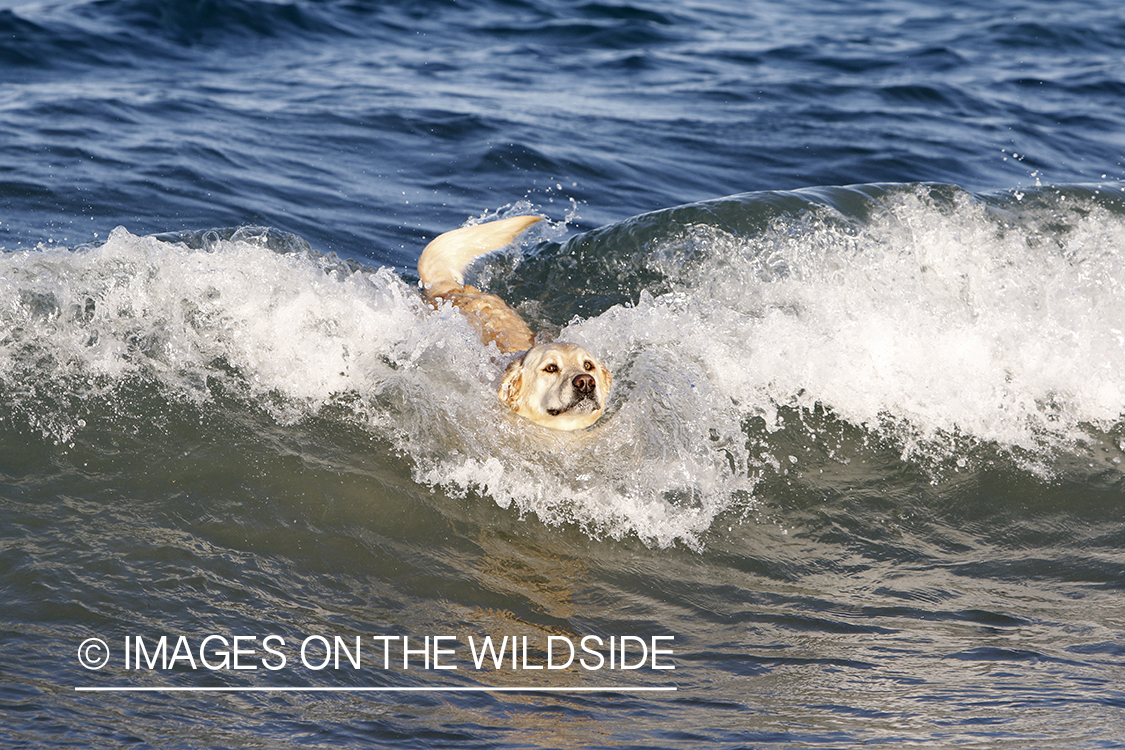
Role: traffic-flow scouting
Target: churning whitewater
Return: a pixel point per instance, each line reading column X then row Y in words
column 958, row 328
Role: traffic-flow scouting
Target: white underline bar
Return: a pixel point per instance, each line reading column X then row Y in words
column 170, row 689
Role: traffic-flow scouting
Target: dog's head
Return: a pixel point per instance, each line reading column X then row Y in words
column 561, row 386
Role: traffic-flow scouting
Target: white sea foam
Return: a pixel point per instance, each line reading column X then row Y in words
column 934, row 324
column 944, row 321
column 138, row 306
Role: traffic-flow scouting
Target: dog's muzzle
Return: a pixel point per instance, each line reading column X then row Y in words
column 585, row 396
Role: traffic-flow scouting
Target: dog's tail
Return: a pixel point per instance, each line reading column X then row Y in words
column 442, row 269
column 442, row 264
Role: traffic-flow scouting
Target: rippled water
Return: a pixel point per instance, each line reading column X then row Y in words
column 857, row 270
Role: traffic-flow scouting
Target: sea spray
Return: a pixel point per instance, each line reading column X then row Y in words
column 948, row 325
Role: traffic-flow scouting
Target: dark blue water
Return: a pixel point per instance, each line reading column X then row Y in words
column 857, row 267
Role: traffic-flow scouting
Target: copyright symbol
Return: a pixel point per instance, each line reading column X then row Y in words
column 93, row 653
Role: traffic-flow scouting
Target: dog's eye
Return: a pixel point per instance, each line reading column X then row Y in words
column 588, row 365
column 551, row 368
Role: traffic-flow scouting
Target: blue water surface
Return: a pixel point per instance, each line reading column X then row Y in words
column 366, row 126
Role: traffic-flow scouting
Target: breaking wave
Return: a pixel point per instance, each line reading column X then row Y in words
column 760, row 336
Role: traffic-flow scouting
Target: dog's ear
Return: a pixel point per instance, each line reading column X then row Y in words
column 608, row 377
column 512, row 383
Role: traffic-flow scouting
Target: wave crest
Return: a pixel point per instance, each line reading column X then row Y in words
column 752, row 339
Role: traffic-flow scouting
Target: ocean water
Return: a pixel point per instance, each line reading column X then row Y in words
column 858, row 269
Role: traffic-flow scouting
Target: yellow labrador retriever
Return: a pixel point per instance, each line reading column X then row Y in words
column 557, row 385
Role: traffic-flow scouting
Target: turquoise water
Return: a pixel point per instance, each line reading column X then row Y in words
column 859, row 283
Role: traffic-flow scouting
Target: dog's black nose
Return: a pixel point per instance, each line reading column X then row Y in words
column 584, row 383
